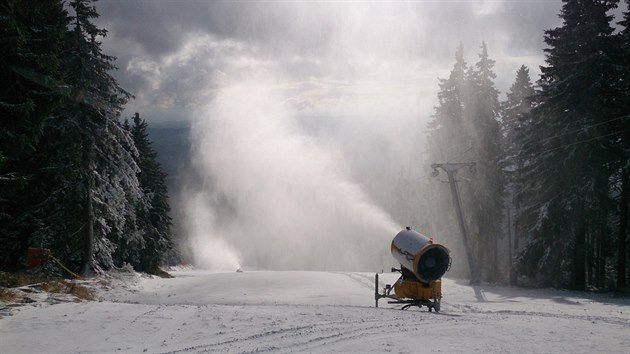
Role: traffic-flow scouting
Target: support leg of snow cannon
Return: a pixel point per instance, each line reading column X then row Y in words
column 436, row 300
column 376, row 294
column 386, row 291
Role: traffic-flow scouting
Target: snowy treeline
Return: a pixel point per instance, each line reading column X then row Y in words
column 73, row 178
column 555, row 154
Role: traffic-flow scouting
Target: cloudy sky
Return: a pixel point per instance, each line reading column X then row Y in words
column 309, row 115
column 327, row 58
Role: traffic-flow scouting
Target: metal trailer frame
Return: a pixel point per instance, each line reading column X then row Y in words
column 430, row 304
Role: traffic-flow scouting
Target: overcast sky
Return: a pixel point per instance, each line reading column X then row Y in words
column 309, row 115
column 327, row 58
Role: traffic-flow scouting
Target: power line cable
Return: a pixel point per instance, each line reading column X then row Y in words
column 579, row 130
column 584, row 141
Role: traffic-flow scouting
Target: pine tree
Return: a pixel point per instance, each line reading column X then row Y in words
column 623, row 257
column 486, row 202
column 516, row 116
column 153, row 219
column 93, row 188
column 571, row 157
column 31, row 37
column 447, row 133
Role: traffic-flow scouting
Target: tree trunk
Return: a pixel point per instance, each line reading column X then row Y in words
column 89, row 241
column 495, row 260
column 590, row 260
column 578, row 271
column 601, row 252
column 623, row 230
column 510, row 253
column 599, row 274
column 515, row 246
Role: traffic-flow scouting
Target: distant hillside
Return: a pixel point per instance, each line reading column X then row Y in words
column 172, row 146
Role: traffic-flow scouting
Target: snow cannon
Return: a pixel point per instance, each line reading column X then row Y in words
column 422, row 265
column 418, row 254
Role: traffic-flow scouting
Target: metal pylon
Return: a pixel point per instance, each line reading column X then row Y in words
column 451, row 170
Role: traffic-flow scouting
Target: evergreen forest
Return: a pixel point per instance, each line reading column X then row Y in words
column 550, row 164
column 74, row 178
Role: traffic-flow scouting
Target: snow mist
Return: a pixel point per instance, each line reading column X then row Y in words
column 310, row 126
column 274, row 197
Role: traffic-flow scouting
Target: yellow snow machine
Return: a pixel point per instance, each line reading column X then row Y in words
column 422, row 265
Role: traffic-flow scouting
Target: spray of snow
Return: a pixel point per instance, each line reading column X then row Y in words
column 275, row 194
column 210, row 249
column 295, row 151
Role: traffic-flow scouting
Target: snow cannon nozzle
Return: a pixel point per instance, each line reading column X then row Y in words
column 420, row 255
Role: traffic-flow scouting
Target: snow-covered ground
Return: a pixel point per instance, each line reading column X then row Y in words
column 272, row 311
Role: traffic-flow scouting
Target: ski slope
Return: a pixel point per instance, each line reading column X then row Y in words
column 274, row 311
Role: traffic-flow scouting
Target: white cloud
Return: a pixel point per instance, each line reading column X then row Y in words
column 335, row 58
column 487, row 7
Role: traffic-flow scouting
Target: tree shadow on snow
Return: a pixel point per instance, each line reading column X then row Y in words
column 499, row 293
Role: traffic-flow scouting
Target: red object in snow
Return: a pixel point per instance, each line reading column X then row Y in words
column 36, row 256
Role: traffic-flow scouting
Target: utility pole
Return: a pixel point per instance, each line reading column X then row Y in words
column 451, row 170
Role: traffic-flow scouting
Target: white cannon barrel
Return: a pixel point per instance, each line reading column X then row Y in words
column 428, row 261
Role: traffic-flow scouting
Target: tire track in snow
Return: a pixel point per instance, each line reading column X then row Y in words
column 206, row 347
column 290, row 339
column 314, row 336
column 349, row 332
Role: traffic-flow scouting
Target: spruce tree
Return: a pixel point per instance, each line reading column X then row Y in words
column 571, row 156
column 31, row 36
column 622, row 125
column 93, row 188
column 447, row 132
column 516, row 116
column 153, row 219
column 486, row 202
